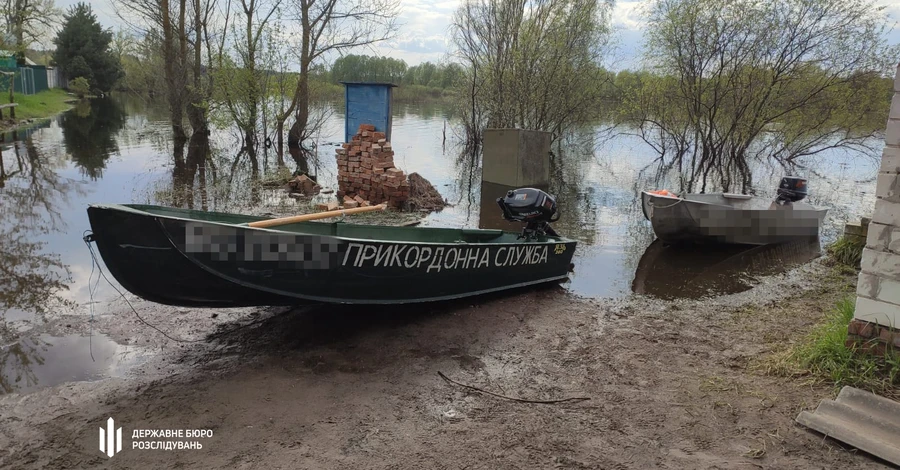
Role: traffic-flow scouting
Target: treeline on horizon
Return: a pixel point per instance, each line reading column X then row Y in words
column 434, row 81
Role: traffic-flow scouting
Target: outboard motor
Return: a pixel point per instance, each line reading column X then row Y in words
column 533, row 207
column 791, row 190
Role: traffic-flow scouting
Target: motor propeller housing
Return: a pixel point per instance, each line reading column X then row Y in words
column 533, row 207
column 791, row 189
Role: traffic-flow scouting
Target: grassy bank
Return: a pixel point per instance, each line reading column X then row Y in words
column 45, row 104
column 824, row 355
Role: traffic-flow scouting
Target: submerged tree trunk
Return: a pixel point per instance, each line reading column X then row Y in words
column 296, row 134
column 173, row 84
column 279, row 143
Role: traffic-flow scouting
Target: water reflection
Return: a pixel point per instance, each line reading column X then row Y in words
column 40, row 361
column 32, row 199
column 89, row 133
column 685, row 271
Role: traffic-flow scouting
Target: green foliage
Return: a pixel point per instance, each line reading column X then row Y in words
column 430, row 78
column 847, row 250
column 82, row 49
column 737, row 81
column 80, row 86
column 532, row 64
column 824, row 354
column 141, row 62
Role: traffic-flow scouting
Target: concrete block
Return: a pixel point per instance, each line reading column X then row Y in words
column 878, row 288
column 892, row 132
column 888, row 187
column 879, row 237
column 855, row 229
column 886, row 212
column 897, row 80
column 895, row 105
column 881, row 263
column 890, row 160
column 867, row 285
column 876, row 311
column 516, row 157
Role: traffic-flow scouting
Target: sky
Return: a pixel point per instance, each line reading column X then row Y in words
column 424, row 33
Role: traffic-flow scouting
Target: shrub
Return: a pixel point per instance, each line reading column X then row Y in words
column 847, row 250
column 80, row 86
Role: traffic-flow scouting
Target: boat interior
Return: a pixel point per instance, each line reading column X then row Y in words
column 347, row 230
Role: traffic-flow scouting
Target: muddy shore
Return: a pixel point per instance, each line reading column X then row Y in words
column 670, row 385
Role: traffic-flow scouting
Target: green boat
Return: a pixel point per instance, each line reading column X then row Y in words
column 212, row 259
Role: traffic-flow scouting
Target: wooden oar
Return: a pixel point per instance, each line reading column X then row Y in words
column 318, row 215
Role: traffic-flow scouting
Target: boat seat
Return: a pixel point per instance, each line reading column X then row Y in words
column 736, row 196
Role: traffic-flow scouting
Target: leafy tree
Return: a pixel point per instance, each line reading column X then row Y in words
column 27, row 21
column 532, row 64
column 83, row 42
column 743, row 81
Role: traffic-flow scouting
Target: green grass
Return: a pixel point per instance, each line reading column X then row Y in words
column 824, row 355
column 847, row 250
column 45, row 104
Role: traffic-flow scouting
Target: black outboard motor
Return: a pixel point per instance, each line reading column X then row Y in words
column 791, row 190
column 533, row 207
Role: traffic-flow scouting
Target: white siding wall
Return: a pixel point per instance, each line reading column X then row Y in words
column 878, row 289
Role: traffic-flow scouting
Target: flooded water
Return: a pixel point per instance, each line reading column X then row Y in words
column 118, row 150
column 33, row 362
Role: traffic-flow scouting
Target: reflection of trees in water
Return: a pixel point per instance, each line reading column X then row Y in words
column 189, row 176
column 468, row 181
column 89, row 133
column 18, row 361
column 577, row 201
column 31, row 194
column 198, row 183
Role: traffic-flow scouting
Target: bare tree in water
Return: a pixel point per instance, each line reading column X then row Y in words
column 185, row 26
column 741, row 81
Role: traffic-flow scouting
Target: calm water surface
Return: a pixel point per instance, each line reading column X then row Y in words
column 118, row 151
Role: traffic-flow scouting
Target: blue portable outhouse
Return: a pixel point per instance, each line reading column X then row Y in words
column 367, row 103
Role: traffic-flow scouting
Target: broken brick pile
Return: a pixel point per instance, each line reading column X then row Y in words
column 366, row 172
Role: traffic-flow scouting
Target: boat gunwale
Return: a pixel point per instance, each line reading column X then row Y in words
column 681, row 199
column 127, row 208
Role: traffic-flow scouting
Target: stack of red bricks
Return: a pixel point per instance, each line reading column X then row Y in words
column 366, row 172
column 872, row 338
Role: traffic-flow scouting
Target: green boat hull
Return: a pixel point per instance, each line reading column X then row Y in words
column 208, row 259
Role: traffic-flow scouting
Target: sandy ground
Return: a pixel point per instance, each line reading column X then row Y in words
column 670, row 385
